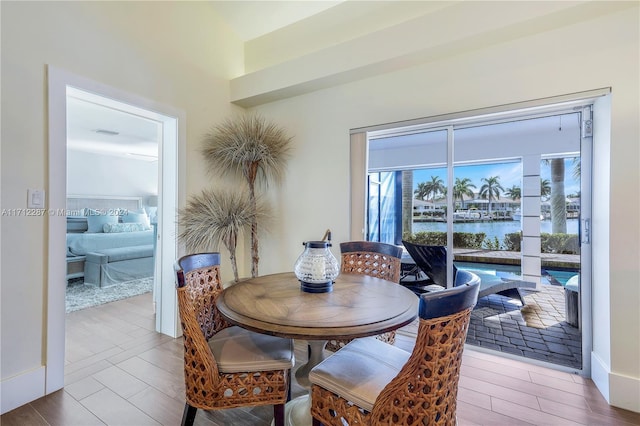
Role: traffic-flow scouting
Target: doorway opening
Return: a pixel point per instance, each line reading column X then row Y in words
column 504, row 194
column 112, row 201
column 170, row 173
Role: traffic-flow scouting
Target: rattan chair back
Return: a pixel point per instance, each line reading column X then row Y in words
column 198, row 287
column 375, row 259
column 371, row 258
column 425, row 390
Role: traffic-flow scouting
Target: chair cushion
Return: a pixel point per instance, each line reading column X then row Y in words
column 238, row 350
column 359, row 371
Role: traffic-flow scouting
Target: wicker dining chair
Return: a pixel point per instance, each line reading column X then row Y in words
column 371, row 383
column 225, row 366
column 371, row 258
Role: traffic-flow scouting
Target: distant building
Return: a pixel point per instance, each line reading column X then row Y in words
column 499, row 204
column 421, row 207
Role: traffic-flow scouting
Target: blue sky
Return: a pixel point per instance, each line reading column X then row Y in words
column 509, row 173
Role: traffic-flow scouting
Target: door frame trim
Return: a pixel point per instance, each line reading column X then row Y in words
column 494, row 115
column 58, row 81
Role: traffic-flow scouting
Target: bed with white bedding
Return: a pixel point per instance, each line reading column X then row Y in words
column 109, row 240
column 81, row 244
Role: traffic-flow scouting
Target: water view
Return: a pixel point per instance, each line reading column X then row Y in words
column 492, row 228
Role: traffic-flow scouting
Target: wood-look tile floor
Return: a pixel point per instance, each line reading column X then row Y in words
column 119, row 371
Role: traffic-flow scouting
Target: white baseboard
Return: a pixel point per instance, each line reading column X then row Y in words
column 618, row 390
column 600, row 375
column 22, row 389
column 625, row 392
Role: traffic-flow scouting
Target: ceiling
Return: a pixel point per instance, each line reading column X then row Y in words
column 99, row 129
column 252, row 19
column 93, row 127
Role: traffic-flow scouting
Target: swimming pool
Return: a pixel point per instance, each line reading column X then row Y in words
column 548, row 276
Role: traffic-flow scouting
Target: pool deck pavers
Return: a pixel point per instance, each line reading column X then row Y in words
column 537, row 330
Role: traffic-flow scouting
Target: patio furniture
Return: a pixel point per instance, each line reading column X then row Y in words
column 369, row 382
column 433, row 261
column 374, row 259
column 572, row 301
column 226, row 366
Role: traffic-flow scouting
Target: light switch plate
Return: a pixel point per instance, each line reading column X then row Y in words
column 35, row 198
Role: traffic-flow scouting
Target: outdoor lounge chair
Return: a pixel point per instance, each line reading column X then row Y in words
column 432, row 260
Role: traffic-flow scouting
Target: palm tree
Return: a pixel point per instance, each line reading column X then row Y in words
column 421, row 191
column 461, row 188
column 217, row 216
column 407, row 201
column 575, row 172
column 253, row 148
column 558, row 199
column 515, row 192
column 434, row 187
column 491, row 189
column 545, row 187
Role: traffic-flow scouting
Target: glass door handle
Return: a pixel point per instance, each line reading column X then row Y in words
column 585, row 231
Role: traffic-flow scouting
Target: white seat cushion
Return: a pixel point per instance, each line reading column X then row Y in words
column 239, row 350
column 359, row 371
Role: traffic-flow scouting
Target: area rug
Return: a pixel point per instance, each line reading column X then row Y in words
column 82, row 296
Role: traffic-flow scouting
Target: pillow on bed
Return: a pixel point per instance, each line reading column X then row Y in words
column 111, row 228
column 76, row 224
column 96, row 222
column 136, row 217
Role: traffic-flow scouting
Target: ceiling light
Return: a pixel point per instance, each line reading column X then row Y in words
column 143, row 157
column 107, row 132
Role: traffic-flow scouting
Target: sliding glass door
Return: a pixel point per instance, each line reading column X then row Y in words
column 504, row 196
column 396, row 163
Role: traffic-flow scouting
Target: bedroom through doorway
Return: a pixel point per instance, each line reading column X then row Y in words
column 111, row 201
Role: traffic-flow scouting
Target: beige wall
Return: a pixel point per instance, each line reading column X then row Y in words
column 599, row 50
column 184, row 57
column 169, row 53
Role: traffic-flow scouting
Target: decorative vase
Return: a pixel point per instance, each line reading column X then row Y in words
column 316, row 268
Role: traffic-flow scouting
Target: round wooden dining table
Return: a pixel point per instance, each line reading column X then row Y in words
column 357, row 306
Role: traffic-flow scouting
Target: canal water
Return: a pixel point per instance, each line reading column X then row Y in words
column 491, row 228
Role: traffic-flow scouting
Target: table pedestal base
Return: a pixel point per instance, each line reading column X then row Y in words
column 297, row 412
column 316, row 355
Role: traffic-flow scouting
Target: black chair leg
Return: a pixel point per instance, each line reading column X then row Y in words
column 278, row 414
column 189, row 415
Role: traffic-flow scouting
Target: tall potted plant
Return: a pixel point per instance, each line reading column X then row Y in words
column 215, row 217
column 253, row 148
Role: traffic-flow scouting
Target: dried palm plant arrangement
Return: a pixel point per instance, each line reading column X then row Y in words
column 215, row 217
column 254, row 149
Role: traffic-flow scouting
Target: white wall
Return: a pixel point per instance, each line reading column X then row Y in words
column 185, row 56
column 94, row 174
column 597, row 49
column 168, row 52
